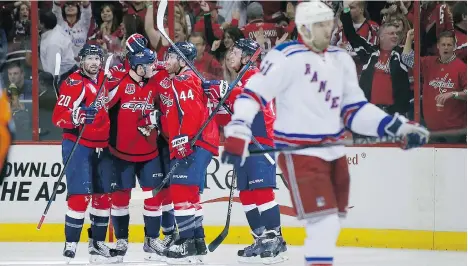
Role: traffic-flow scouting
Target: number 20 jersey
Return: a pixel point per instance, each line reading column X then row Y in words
column 128, row 103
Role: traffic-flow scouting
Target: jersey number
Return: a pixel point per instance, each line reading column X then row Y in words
column 265, row 67
column 189, row 95
column 64, row 100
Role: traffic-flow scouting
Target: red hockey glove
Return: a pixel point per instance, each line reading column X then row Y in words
column 181, row 144
column 236, row 148
column 148, row 122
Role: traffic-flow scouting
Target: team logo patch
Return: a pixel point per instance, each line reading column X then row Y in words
column 72, row 82
column 182, row 77
column 130, row 89
column 166, row 100
column 165, row 83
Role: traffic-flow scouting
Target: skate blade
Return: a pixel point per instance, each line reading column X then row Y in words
column 274, row 260
column 67, row 260
column 154, row 257
column 250, row 260
column 182, row 261
column 199, row 259
column 98, row 259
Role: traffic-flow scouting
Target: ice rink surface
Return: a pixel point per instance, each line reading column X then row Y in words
column 50, row 254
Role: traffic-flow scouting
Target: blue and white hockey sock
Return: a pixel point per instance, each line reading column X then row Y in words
column 99, row 216
column 120, row 220
column 268, row 208
column 152, row 219
column 168, row 219
column 247, row 198
column 73, row 225
column 199, row 231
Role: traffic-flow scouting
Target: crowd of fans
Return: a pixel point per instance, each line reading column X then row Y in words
column 378, row 35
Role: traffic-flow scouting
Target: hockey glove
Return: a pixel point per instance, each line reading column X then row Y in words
column 149, row 122
column 413, row 135
column 215, row 89
column 181, row 144
column 84, row 115
column 236, row 148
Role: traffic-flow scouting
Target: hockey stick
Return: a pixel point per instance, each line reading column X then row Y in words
column 220, row 238
column 75, row 145
column 160, row 24
column 58, row 60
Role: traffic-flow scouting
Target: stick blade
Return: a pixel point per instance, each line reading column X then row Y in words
column 218, row 240
column 58, row 61
column 162, row 6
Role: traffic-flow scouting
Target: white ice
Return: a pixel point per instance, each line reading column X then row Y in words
column 50, row 254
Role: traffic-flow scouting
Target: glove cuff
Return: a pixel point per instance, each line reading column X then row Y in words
column 76, row 114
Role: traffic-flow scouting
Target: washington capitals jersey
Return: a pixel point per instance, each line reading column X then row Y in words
column 128, row 103
column 80, row 91
column 190, row 105
column 317, row 95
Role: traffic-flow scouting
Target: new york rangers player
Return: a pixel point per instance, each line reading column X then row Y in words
column 133, row 150
column 85, row 180
column 317, row 96
column 186, row 111
column 257, row 177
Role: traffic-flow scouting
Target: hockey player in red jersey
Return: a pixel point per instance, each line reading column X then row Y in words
column 187, row 111
column 317, row 95
column 257, row 177
column 134, row 152
column 85, row 181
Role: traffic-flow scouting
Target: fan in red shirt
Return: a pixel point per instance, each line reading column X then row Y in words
column 436, row 18
column 190, row 105
column 82, row 103
column 257, row 177
column 459, row 20
column 205, row 62
column 444, row 89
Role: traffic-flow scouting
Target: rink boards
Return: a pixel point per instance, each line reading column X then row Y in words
column 414, row 199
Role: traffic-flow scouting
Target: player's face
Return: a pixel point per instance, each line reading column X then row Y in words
column 172, row 63
column 234, row 58
column 92, row 64
column 322, row 32
column 446, row 47
column 146, row 71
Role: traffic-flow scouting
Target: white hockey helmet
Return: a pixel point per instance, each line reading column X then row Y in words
column 309, row 13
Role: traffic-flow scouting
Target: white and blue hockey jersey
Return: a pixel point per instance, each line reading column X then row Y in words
column 317, row 95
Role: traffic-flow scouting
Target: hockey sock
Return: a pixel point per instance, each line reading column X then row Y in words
column 152, row 215
column 320, row 243
column 268, row 208
column 74, row 218
column 184, row 211
column 247, row 198
column 99, row 215
column 120, row 215
column 199, row 232
column 168, row 219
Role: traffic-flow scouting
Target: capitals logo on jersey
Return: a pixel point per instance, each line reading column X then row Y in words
column 166, row 100
column 130, row 89
column 72, row 82
column 165, row 83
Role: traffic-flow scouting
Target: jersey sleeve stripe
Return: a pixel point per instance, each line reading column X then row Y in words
column 291, row 139
column 248, row 94
column 297, row 51
column 349, row 111
column 285, row 45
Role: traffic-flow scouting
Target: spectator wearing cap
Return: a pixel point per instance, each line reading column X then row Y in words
column 256, row 24
column 444, row 86
column 205, row 62
column 75, row 19
column 384, row 78
column 54, row 40
column 459, row 20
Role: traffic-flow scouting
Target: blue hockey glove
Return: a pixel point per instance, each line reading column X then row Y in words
column 413, row 135
column 84, row 115
column 236, row 148
column 215, row 89
column 181, row 144
column 148, row 122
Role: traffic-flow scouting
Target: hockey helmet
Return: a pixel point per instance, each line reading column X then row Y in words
column 309, row 13
column 90, row 49
column 188, row 50
column 136, row 43
column 248, row 46
column 145, row 57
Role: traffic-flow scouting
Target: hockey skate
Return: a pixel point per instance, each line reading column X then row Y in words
column 121, row 249
column 273, row 245
column 170, row 239
column 99, row 252
column 69, row 251
column 251, row 254
column 154, row 249
column 200, row 245
column 183, row 252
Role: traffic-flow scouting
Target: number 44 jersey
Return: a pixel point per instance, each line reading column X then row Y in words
column 188, row 112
